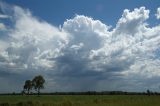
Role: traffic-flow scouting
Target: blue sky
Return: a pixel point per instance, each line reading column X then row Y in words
column 80, row 45
column 108, row 11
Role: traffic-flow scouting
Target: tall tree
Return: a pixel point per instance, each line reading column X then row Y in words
column 27, row 86
column 38, row 83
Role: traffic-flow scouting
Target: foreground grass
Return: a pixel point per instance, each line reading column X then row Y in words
column 81, row 100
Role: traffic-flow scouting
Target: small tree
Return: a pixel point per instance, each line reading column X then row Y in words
column 27, row 86
column 38, row 83
column 148, row 92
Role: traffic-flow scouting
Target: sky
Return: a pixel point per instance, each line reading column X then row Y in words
column 98, row 45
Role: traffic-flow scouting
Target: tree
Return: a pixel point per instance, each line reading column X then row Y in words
column 38, row 83
column 27, row 86
column 148, row 92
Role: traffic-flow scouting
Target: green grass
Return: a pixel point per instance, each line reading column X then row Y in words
column 80, row 100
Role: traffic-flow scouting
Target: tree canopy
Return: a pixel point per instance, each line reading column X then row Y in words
column 37, row 83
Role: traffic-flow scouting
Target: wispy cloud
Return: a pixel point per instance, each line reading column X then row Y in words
column 2, row 16
column 2, row 26
column 158, row 13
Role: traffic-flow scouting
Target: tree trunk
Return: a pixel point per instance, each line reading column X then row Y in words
column 28, row 91
column 38, row 91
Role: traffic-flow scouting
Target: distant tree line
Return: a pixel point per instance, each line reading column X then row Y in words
column 148, row 92
column 37, row 83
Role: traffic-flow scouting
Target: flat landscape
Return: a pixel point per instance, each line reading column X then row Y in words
column 79, row 52
column 80, row 100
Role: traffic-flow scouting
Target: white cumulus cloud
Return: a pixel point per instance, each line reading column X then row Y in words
column 84, row 52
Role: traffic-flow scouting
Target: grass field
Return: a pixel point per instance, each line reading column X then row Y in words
column 81, row 100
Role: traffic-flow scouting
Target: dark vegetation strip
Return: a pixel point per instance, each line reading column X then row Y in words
column 90, row 93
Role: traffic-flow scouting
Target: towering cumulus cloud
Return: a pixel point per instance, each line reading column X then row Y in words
column 84, row 54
